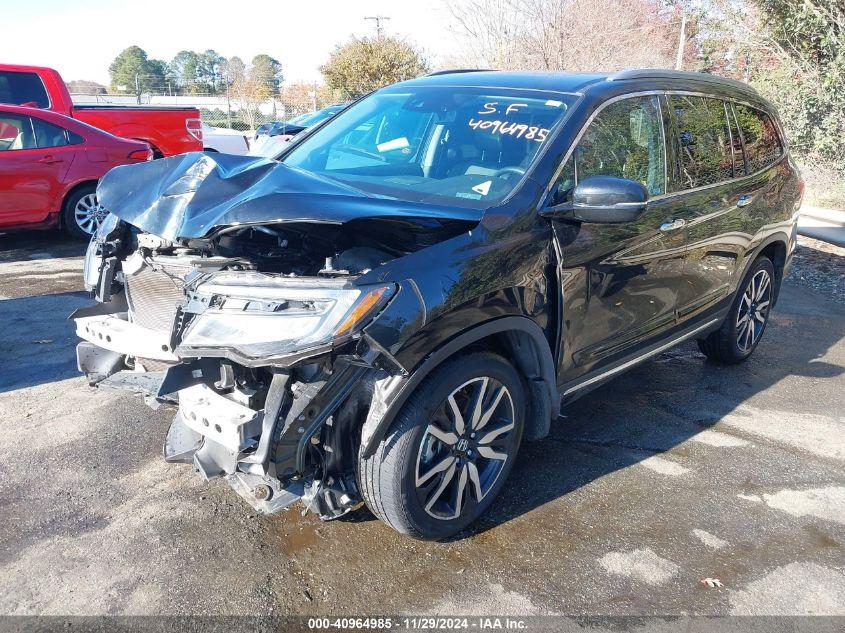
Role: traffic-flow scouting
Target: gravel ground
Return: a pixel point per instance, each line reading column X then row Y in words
column 676, row 472
column 819, row 266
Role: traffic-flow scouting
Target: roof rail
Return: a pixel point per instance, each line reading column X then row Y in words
column 662, row 73
column 456, row 71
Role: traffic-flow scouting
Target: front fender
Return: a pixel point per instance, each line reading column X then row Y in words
column 392, row 391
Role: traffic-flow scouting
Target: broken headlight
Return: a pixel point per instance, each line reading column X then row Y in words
column 93, row 255
column 258, row 317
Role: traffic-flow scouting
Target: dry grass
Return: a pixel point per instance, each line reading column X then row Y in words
column 825, row 187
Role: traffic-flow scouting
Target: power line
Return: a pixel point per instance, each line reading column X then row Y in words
column 378, row 20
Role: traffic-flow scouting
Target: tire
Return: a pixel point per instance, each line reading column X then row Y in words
column 80, row 214
column 424, row 465
column 735, row 341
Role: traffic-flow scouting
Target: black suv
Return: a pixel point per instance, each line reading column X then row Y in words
column 388, row 309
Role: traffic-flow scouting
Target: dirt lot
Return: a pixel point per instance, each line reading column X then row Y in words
column 676, row 472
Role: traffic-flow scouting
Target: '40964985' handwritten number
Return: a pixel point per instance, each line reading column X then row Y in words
column 519, row 130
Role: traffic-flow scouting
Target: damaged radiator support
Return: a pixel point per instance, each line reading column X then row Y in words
column 330, row 496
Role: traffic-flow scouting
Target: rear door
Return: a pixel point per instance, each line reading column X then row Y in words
column 619, row 280
column 34, row 158
column 761, row 194
column 706, row 188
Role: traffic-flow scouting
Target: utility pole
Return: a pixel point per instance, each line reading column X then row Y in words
column 378, row 19
column 138, row 88
column 679, row 62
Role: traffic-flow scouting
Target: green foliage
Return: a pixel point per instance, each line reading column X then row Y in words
column 198, row 73
column 364, row 65
column 808, row 85
column 217, row 118
column 133, row 69
column 266, row 72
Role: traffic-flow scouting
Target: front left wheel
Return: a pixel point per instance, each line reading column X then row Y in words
column 449, row 450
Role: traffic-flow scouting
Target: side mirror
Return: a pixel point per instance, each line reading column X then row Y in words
column 603, row 199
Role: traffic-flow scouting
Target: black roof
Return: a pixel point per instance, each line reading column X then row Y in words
column 526, row 80
column 557, row 81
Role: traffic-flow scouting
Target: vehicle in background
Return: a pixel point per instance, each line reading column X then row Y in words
column 318, row 116
column 167, row 130
column 223, row 140
column 49, row 168
column 269, row 146
column 298, row 123
column 386, row 311
column 270, row 138
column 277, row 128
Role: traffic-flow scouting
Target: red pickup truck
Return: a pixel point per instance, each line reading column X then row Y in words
column 167, row 130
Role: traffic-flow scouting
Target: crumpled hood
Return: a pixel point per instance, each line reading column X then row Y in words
column 189, row 195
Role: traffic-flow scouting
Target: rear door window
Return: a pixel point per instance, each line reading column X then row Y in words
column 16, row 132
column 18, row 88
column 762, row 143
column 703, row 141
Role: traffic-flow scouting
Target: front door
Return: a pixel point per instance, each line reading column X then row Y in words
column 619, row 280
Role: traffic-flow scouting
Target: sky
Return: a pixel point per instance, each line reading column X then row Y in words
column 80, row 38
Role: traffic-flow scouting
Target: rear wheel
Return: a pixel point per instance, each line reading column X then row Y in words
column 82, row 213
column 449, row 450
column 739, row 335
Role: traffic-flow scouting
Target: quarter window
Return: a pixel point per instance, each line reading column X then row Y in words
column 48, row 135
column 625, row 140
column 703, row 141
column 762, row 144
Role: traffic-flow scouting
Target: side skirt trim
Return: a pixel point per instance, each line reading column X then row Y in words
column 566, row 391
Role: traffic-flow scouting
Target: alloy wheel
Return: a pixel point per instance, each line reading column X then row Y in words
column 753, row 311
column 88, row 213
column 465, row 447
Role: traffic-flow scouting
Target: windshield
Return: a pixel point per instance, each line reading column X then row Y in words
column 443, row 145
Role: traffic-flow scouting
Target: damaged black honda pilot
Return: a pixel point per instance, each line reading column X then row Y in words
column 410, row 290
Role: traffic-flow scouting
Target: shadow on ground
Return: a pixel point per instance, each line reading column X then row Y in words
column 27, row 245
column 37, row 342
column 666, row 401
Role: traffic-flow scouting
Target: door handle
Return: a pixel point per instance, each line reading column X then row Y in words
column 49, row 159
column 671, row 225
column 744, row 201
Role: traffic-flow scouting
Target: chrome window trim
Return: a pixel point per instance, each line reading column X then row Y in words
column 629, row 95
column 661, row 102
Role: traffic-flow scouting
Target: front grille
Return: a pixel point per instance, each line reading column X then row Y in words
column 153, row 297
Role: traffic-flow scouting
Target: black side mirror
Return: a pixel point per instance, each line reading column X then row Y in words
column 603, row 199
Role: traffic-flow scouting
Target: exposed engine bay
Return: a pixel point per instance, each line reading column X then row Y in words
column 255, row 333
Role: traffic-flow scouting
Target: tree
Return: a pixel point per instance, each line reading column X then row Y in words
column 573, row 35
column 267, row 74
column 364, row 65
column 302, row 97
column 134, row 71
column 183, row 69
column 248, row 87
column 210, row 71
column 793, row 52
